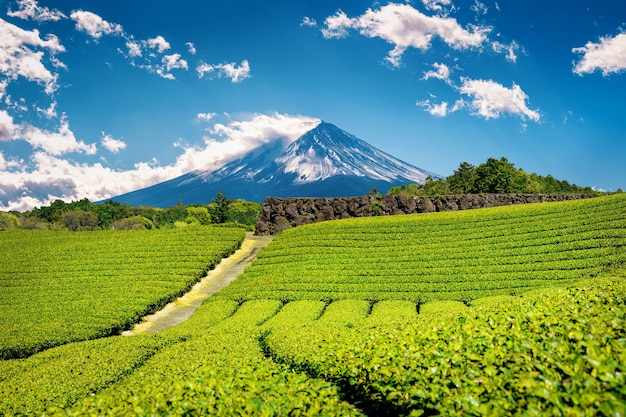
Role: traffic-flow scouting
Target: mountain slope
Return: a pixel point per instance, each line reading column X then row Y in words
column 324, row 162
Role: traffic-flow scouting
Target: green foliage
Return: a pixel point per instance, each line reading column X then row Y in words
column 219, row 208
column 133, row 223
column 57, row 287
column 79, row 220
column 552, row 352
column 57, row 378
column 495, row 176
column 84, row 215
column 485, row 312
column 220, row 370
column 463, row 179
column 243, row 212
column 459, row 255
column 199, row 215
column 8, row 221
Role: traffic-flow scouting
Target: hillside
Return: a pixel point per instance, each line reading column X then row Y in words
column 435, row 256
column 501, row 311
column 324, row 162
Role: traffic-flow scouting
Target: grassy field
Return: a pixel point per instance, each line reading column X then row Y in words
column 460, row 255
column 514, row 310
column 58, row 286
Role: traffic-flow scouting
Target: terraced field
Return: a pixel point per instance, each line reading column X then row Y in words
column 516, row 310
column 460, row 255
column 58, row 286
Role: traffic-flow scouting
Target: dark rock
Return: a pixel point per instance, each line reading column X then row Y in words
column 279, row 214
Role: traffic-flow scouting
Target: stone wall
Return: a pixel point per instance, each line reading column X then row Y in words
column 279, row 214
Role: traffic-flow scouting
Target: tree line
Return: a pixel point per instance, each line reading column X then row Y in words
column 495, row 176
column 86, row 215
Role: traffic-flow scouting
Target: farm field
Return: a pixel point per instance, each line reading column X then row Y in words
column 58, row 286
column 460, row 255
column 513, row 310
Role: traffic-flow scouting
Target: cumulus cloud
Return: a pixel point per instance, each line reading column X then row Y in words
column 404, row 26
column 491, row 100
column 205, row 117
column 191, row 48
column 7, row 127
column 487, row 99
column 94, row 25
column 23, row 53
column 510, row 50
column 134, row 49
column 307, row 21
column 54, row 142
column 437, row 110
column 68, row 180
column 437, row 5
column 229, row 70
column 159, row 43
column 607, row 56
column 169, row 63
column 149, row 55
column 111, row 144
column 442, row 72
column 29, row 9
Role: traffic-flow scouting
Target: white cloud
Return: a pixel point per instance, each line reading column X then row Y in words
column 22, row 54
column 307, row 21
column 29, row 9
column 111, row 144
column 11, row 163
column 229, row 70
column 404, row 26
column 68, row 180
column 608, row 56
column 169, row 63
column 174, row 61
column 191, row 48
column 54, row 143
column 134, row 49
column 442, row 73
column 7, row 127
column 205, row 117
column 159, row 43
column 510, row 50
column 437, row 110
column 94, row 25
column 436, row 5
column 479, row 8
column 490, row 99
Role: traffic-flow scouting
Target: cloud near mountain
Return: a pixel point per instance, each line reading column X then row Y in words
column 47, row 177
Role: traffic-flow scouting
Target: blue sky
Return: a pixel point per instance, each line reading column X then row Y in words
column 103, row 97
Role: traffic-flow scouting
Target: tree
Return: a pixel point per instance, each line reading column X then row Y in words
column 497, row 176
column 200, row 214
column 133, row 223
column 462, row 181
column 109, row 212
column 8, row 221
column 244, row 212
column 76, row 220
column 219, row 208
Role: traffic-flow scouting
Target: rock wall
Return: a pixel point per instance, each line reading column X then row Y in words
column 279, row 214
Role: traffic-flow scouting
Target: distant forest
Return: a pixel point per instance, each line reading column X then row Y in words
column 85, row 215
column 497, row 176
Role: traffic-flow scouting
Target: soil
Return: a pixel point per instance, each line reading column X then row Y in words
column 224, row 273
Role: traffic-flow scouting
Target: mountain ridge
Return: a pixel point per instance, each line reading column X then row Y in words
column 324, row 162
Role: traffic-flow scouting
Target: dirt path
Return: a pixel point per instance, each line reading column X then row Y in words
column 180, row 310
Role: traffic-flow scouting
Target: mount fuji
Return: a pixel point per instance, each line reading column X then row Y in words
column 324, row 162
